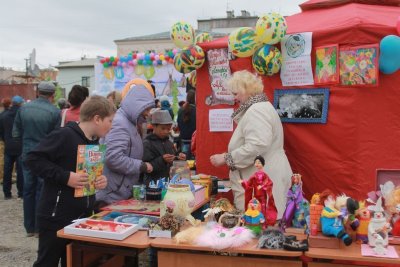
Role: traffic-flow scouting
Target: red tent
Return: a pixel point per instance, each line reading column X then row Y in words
column 362, row 133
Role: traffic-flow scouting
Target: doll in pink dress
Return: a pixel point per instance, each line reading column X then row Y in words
column 261, row 185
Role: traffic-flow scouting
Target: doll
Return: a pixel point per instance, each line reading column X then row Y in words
column 331, row 223
column 297, row 207
column 378, row 226
column 261, row 185
column 393, row 207
column 253, row 217
column 315, row 214
column 364, row 216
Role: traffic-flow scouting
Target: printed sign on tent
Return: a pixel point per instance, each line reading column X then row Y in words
column 219, row 73
column 296, row 66
column 220, row 120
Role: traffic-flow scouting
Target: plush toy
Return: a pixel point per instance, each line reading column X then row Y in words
column 315, row 214
column 392, row 204
column 364, row 216
column 189, row 235
column 261, row 185
column 331, row 221
column 297, row 207
column 253, row 217
column 218, row 208
column 378, row 226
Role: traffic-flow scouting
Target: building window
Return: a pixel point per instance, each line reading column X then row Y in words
column 86, row 81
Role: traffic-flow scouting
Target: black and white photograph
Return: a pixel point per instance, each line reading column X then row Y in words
column 302, row 106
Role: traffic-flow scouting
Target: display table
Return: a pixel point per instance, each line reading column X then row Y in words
column 347, row 256
column 91, row 251
column 172, row 254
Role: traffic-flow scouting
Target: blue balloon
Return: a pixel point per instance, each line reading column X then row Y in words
column 389, row 59
column 147, row 57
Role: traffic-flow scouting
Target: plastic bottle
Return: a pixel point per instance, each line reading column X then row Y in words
column 142, row 194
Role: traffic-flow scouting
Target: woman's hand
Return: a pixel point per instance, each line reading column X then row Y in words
column 100, row 182
column 182, row 156
column 218, row 160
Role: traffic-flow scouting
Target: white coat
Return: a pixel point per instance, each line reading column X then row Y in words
column 259, row 132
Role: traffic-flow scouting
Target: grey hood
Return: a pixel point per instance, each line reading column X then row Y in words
column 135, row 102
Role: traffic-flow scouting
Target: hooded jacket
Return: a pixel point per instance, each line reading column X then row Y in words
column 125, row 146
column 53, row 160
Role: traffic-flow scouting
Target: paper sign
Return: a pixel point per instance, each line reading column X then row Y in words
column 220, row 120
column 296, row 66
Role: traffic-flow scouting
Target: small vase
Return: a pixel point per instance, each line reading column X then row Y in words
column 181, row 200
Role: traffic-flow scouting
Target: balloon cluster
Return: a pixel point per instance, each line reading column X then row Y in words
column 389, row 58
column 141, row 59
column 191, row 57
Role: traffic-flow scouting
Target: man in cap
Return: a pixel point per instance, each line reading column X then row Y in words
column 12, row 150
column 33, row 122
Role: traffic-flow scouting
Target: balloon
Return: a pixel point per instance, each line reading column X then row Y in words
column 162, row 57
column 134, row 62
column 131, row 84
column 267, row 60
column 112, row 59
column 193, row 78
column 119, row 73
column 139, row 70
column 155, row 63
column 102, row 60
column 149, row 72
column 182, row 34
column 203, row 37
column 157, row 57
column 134, row 56
column 389, row 58
column 189, row 59
column 147, row 57
column 115, row 63
column 108, row 73
column 271, row 28
column 242, row 42
column 116, row 59
column 105, row 65
column 140, row 62
column 123, row 64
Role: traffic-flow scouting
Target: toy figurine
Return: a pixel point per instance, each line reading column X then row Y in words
column 253, row 217
column 392, row 203
column 315, row 214
column 261, row 185
column 378, row 226
column 364, row 216
column 297, row 207
column 331, row 222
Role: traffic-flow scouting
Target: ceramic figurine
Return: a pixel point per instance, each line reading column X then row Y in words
column 261, row 185
column 253, row 217
column 364, row 216
column 331, row 221
column 378, row 226
column 297, row 207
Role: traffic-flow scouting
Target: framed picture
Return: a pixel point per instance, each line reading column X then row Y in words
column 359, row 65
column 326, row 64
column 302, row 106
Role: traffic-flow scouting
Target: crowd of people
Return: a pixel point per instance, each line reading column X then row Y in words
column 41, row 140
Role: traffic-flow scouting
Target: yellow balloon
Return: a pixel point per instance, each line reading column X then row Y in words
column 162, row 57
column 109, row 73
column 139, row 70
column 242, row 42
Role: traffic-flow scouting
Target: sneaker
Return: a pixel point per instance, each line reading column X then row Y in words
column 30, row 234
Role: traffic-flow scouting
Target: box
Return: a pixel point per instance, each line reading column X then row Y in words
column 204, row 180
column 321, row 241
column 110, row 229
column 199, row 194
column 384, row 175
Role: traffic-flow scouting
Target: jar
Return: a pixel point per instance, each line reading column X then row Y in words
column 180, row 167
column 181, row 200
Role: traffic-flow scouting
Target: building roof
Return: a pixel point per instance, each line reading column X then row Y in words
column 85, row 62
column 163, row 36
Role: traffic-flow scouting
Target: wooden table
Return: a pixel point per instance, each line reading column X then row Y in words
column 172, row 254
column 92, row 251
column 347, row 256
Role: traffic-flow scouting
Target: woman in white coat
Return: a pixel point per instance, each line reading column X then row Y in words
column 259, row 132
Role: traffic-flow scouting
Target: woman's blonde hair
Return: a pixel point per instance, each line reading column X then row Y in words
column 245, row 82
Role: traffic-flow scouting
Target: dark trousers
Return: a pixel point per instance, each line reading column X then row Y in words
column 9, row 161
column 51, row 249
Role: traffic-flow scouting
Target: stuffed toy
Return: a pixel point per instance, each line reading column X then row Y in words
column 315, row 214
column 331, row 221
column 189, row 235
column 253, row 217
column 378, row 226
column 261, row 185
column 392, row 204
column 297, row 207
column 364, row 216
column 218, row 208
column 218, row 237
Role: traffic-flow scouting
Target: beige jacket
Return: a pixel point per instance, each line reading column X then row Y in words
column 259, row 132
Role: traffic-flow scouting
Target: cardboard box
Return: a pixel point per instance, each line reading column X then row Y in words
column 384, row 175
column 206, row 182
column 88, row 225
column 321, row 241
column 199, row 194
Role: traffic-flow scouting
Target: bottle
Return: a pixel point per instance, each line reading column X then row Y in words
column 142, row 194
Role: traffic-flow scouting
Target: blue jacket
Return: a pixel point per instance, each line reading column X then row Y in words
column 34, row 121
column 125, row 146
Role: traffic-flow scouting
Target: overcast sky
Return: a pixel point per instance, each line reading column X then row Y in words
column 69, row 29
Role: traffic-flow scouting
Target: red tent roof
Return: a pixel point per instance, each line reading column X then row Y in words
column 317, row 4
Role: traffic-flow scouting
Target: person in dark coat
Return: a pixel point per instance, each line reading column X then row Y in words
column 159, row 151
column 12, row 149
column 187, row 123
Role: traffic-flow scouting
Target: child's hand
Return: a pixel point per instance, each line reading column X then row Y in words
column 168, row 158
column 149, row 167
column 182, row 156
column 78, row 180
column 100, row 182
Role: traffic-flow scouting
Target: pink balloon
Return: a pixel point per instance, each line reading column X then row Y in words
column 119, row 63
column 130, row 63
column 124, row 64
column 134, row 62
column 152, row 54
column 174, row 51
column 398, row 25
column 156, row 57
